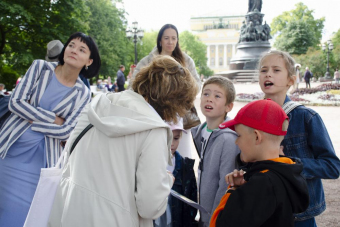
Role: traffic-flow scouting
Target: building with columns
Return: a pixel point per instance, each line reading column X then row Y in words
column 221, row 35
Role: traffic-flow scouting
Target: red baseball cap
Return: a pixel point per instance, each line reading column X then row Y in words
column 265, row 115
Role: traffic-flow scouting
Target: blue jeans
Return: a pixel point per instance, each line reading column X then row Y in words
column 306, row 223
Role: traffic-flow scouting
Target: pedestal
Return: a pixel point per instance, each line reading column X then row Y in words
column 248, row 55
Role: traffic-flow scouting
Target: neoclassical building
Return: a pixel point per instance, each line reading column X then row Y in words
column 221, row 35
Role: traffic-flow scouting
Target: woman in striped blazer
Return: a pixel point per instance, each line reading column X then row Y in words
column 45, row 106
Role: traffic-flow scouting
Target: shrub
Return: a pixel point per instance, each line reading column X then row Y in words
column 8, row 77
column 322, row 87
column 328, row 97
column 255, row 96
column 296, row 98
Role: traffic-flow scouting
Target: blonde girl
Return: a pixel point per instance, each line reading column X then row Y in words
column 307, row 137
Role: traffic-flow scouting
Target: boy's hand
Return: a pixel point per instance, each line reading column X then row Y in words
column 235, row 178
column 172, row 176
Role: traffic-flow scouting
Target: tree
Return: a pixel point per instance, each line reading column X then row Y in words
column 197, row 50
column 316, row 60
column 107, row 26
column 8, row 77
column 295, row 38
column 27, row 26
column 297, row 30
column 149, row 41
column 336, row 50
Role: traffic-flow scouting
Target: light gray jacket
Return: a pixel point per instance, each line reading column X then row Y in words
column 116, row 175
column 218, row 160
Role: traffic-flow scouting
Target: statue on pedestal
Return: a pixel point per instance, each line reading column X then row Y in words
column 267, row 30
column 260, row 33
column 254, row 6
column 243, row 32
column 253, row 42
column 250, row 32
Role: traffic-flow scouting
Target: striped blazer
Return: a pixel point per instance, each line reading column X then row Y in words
column 24, row 107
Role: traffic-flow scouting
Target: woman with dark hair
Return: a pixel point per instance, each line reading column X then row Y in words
column 45, row 106
column 167, row 44
column 116, row 175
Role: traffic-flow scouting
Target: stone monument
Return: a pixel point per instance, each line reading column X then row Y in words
column 253, row 42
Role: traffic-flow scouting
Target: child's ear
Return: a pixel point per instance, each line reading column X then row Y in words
column 229, row 107
column 258, row 137
column 291, row 80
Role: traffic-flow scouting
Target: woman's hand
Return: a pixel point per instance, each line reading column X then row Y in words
column 235, row 178
column 59, row 120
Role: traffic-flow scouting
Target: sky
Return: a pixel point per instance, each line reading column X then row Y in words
column 153, row 14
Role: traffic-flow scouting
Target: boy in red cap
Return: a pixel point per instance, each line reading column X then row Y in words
column 270, row 188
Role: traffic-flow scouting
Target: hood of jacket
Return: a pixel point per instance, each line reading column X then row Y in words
column 290, row 174
column 123, row 113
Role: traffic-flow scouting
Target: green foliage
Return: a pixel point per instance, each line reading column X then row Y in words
column 297, row 30
column 197, row 50
column 148, row 43
column 107, row 26
column 27, row 26
column 336, row 50
column 295, row 38
column 8, row 77
column 316, row 60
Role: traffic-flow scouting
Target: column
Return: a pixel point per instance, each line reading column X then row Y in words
column 225, row 56
column 216, row 56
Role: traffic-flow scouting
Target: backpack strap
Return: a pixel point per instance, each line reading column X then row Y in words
column 80, row 136
column 290, row 105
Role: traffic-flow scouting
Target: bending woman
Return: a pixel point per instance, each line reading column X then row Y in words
column 45, row 106
column 117, row 172
column 167, row 44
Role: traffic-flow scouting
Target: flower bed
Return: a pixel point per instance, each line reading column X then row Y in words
column 323, row 95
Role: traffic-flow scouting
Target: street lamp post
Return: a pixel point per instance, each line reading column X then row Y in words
column 329, row 49
column 135, row 33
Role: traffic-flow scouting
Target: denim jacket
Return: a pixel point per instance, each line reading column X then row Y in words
column 307, row 139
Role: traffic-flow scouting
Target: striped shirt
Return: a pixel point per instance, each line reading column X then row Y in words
column 24, row 105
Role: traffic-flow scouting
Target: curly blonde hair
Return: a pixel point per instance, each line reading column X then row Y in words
column 167, row 86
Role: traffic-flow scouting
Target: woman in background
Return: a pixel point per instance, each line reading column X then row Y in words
column 167, row 44
column 45, row 106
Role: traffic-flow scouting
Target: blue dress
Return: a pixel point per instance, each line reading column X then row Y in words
column 20, row 170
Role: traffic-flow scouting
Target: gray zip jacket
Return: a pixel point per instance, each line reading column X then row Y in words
column 218, row 160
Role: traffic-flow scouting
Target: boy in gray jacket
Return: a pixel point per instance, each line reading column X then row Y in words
column 215, row 147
